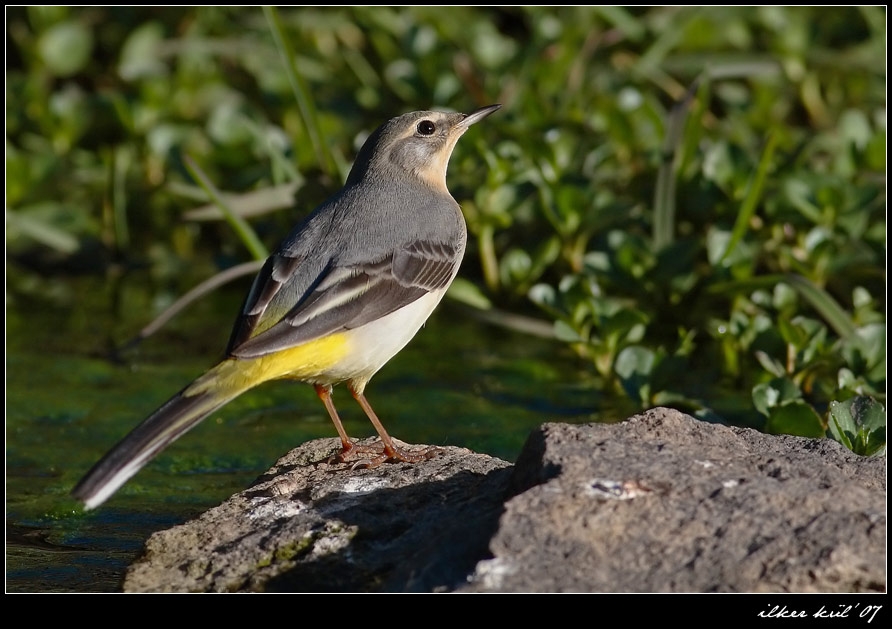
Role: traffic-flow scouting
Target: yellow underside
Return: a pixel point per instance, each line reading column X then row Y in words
column 310, row 361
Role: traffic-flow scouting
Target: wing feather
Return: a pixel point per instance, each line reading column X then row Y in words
column 341, row 297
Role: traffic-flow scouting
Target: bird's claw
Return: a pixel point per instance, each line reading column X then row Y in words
column 382, row 454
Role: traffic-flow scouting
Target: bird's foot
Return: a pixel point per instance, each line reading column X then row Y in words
column 374, row 454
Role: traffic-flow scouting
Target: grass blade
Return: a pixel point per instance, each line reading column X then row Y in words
column 664, row 196
column 239, row 225
column 751, row 200
column 305, row 103
column 822, row 301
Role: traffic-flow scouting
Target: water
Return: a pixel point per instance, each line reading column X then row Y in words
column 459, row 382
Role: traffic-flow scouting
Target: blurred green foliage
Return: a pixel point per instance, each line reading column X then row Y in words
column 695, row 196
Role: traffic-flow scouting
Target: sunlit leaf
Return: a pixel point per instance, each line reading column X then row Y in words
column 468, row 293
column 859, row 423
column 777, row 392
column 66, row 47
column 634, row 366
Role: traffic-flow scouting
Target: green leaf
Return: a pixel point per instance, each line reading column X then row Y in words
column 467, row 292
column 870, row 348
column 792, row 333
column 515, row 267
column 799, row 194
column 778, row 391
column 858, row 423
column 66, row 48
column 563, row 332
column 543, row 294
column 140, row 55
column 769, row 364
column 634, row 366
column 794, row 418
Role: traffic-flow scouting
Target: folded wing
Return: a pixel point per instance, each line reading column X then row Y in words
column 340, row 298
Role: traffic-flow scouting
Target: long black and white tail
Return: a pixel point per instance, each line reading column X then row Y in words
column 177, row 416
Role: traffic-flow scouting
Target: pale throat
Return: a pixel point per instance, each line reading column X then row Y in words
column 434, row 172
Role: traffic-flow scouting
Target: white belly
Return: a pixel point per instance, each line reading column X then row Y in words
column 372, row 345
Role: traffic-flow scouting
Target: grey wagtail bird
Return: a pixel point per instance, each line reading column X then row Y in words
column 345, row 291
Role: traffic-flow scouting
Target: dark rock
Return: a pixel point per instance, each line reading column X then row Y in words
column 659, row 503
column 665, row 503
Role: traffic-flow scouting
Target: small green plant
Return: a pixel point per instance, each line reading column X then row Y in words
column 859, row 424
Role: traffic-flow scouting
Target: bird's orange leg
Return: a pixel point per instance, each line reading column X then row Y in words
column 391, row 451
column 324, row 393
column 386, row 451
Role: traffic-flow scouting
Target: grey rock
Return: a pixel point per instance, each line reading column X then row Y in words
column 307, row 525
column 659, row 503
column 665, row 503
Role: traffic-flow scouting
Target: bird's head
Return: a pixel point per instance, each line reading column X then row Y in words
column 419, row 143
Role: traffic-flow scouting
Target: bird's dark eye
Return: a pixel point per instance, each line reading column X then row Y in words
column 426, row 127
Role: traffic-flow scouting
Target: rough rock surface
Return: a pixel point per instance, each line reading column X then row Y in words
column 307, row 525
column 659, row 503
